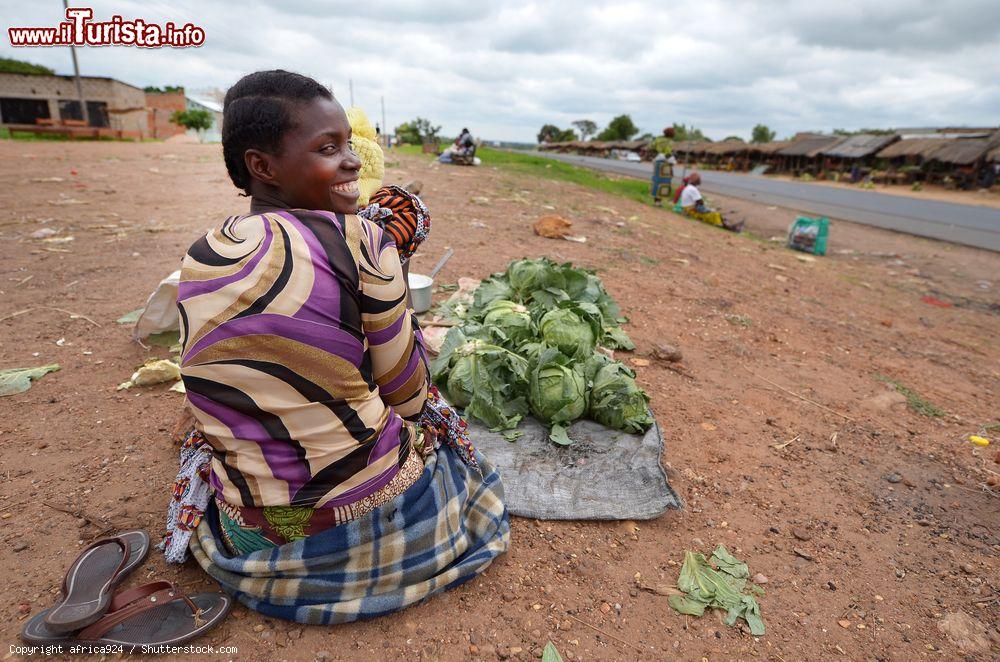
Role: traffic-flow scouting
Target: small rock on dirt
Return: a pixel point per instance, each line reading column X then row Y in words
column 894, row 478
column 667, row 353
column 968, row 569
column 968, row 634
column 801, row 534
column 759, row 578
column 20, row 547
column 802, row 554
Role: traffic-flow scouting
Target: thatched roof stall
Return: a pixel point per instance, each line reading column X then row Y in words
column 961, row 152
column 859, row 146
column 691, row 147
column 556, row 146
column 993, row 156
column 924, row 148
column 810, row 146
column 772, row 147
column 726, row 147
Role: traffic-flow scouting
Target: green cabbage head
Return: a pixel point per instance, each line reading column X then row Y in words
column 512, row 319
column 616, row 401
column 526, row 275
column 570, row 333
column 557, row 393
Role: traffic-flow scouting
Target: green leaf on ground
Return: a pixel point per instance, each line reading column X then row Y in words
column 18, row 380
column 729, row 564
column 550, row 653
column 131, row 318
column 706, row 587
column 513, row 435
column 165, row 338
column 559, row 436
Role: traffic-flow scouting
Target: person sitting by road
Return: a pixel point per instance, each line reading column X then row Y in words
column 326, row 480
column 693, row 204
column 465, row 144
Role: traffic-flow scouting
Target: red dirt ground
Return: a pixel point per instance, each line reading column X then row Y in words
column 780, row 435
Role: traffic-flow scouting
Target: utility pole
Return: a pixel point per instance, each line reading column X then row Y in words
column 76, row 75
column 385, row 129
column 350, row 87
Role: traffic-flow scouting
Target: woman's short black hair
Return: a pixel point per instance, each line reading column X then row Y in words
column 256, row 114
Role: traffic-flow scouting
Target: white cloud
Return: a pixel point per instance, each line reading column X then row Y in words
column 504, row 68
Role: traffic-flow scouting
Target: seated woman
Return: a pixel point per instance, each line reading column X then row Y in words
column 339, row 484
column 693, row 205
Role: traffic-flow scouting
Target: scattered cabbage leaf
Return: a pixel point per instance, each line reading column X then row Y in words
column 18, row 380
column 706, row 587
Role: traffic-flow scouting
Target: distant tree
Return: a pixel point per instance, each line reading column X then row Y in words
column 549, row 133
column 646, row 136
column 195, row 118
column 761, row 134
column 874, row 132
column 166, row 89
column 683, row 132
column 9, row 65
column 417, row 131
column 586, row 128
column 620, row 128
column 736, row 138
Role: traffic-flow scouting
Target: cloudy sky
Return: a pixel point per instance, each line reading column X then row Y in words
column 505, row 68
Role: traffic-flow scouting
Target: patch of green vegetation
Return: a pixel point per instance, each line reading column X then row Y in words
column 417, row 150
column 546, row 168
column 649, row 261
column 993, row 427
column 740, row 320
column 914, row 400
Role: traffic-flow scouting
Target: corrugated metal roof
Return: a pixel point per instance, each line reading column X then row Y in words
column 961, row 152
column 859, row 146
column 922, row 147
column 811, row 146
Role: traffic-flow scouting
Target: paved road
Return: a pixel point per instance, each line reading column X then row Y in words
column 963, row 224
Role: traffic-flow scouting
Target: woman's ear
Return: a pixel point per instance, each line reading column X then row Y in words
column 260, row 165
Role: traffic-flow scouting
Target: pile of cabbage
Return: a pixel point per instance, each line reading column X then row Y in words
column 530, row 342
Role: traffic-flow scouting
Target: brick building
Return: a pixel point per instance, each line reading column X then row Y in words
column 161, row 105
column 112, row 104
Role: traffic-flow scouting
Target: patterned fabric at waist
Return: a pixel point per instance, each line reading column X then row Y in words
column 247, row 529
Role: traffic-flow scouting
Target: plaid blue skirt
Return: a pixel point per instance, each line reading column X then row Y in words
column 444, row 530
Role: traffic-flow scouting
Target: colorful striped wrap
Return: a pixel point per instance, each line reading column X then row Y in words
column 444, row 530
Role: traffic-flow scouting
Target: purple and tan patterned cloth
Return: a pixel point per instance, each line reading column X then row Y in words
column 304, row 368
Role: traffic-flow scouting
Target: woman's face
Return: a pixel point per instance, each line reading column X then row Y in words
column 317, row 167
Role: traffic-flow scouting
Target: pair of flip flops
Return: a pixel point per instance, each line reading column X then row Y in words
column 151, row 615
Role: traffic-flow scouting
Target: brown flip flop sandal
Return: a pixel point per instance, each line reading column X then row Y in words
column 157, row 614
column 87, row 586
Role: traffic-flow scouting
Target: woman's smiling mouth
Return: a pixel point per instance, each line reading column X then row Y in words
column 347, row 187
